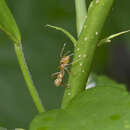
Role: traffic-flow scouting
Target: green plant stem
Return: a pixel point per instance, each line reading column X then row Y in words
column 65, row 32
column 81, row 14
column 27, row 77
column 85, row 49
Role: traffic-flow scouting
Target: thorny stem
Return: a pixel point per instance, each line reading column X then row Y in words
column 27, row 77
column 85, row 49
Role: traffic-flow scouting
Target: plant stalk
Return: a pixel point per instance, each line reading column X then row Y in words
column 27, row 77
column 84, row 51
column 81, row 14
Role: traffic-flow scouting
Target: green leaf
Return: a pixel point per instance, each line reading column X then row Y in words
column 54, row 120
column 65, row 32
column 45, row 121
column 8, row 24
column 108, row 39
column 104, row 107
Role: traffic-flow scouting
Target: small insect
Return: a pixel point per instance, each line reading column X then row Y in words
column 64, row 62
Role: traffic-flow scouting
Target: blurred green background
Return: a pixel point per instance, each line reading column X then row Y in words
column 42, row 47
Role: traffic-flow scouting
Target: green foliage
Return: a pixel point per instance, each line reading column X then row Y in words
column 7, row 23
column 81, row 15
column 108, row 39
column 65, row 32
column 98, row 12
column 13, row 92
column 104, row 107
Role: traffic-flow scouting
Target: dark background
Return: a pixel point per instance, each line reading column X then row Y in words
column 42, row 47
